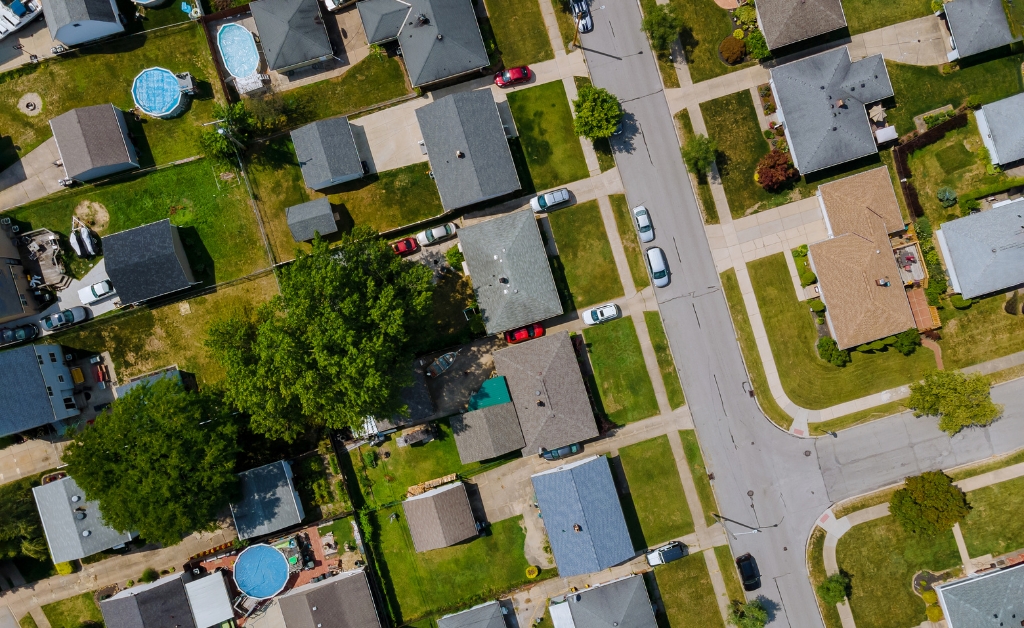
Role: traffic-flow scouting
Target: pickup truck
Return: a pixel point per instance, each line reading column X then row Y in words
column 667, row 553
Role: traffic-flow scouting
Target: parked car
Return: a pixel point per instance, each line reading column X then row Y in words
column 64, row 318
column 405, row 246
column 749, row 573
column 658, row 266
column 21, row 333
column 95, row 292
column 561, row 452
column 601, row 314
column 545, row 202
column 436, row 234
column 667, row 553
column 644, row 228
column 581, row 13
column 524, row 333
column 441, row 364
column 511, row 76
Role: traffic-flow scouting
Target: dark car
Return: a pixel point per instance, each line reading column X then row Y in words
column 511, row 76
column 561, row 452
column 405, row 246
column 524, row 333
column 749, row 574
column 21, row 333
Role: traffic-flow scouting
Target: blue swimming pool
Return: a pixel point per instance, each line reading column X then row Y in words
column 261, row 571
column 238, row 50
column 156, row 93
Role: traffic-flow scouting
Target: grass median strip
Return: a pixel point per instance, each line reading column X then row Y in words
column 552, row 148
column 586, row 254
column 856, row 418
column 627, row 234
column 727, row 566
column 623, row 386
column 699, row 473
column 704, row 195
column 656, row 490
column 686, row 591
column 666, row 364
column 816, row 565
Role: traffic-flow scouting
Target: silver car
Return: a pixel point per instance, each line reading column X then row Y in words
column 436, row 234
column 581, row 13
column 601, row 314
column 64, row 318
column 658, row 266
column 644, row 228
column 549, row 200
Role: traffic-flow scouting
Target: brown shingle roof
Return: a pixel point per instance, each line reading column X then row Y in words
column 343, row 601
column 855, row 204
column 789, row 21
column 487, row 433
column 440, row 517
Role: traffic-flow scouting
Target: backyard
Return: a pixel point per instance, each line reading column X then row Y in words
column 656, row 490
column 585, row 253
column 982, row 332
column 868, row 15
column 277, row 183
column 732, row 122
column 518, row 28
column 994, row 526
column 625, row 391
column 705, row 25
column 667, row 366
column 552, row 149
column 707, row 200
column 627, row 234
column 699, row 473
column 687, row 593
column 73, row 612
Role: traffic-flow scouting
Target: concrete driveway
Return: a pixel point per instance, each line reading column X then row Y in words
column 923, row 41
column 32, row 177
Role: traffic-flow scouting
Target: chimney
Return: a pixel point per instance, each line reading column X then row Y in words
column 839, row 103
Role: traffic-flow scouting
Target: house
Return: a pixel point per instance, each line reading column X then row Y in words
column 74, row 22
column 147, row 262
column 341, row 601
column 991, row 599
column 858, row 277
column 175, row 601
column 93, row 142
column 468, row 150
column 583, row 517
column 16, row 300
column 441, row 517
column 822, row 104
column 38, row 389
column 624, row 603
column 327, row 153
column 491, row 427
column 269, row 501
column 292, row 33
column 1002, row 129
column 547, row 389
column 976, row 26
column 310, row 218
column 440, row 39
column 73, row 526
column 486, row 615
column 510, row 271
column 785, row 22
column 984, row 252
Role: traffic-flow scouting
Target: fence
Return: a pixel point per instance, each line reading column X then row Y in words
column 901, row 154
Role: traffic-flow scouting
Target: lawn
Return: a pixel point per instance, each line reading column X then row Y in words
column 816, row 567
column 104, row 74
column 1000, row 462
column 982, row 332
column 277, row 182
column 809, row 381
column 669, row 77
column 552, row 148
column 342, row 530
column 73, row 612
column 704, row 195
column 732, row 122
column 705, row 25
column 699, row 473
column 566, row 24
column 520, row 32
column 28, row 622
column 623, row 385
column 868, row 15
column 627, row 234
column 881, row 559
column 152, row 18
column 586, row 254
column 993, row 525
column 727, row 565
column 656, row 490
column 603, row 148
column 667, row 366
column 856, row 418
column 687, row 593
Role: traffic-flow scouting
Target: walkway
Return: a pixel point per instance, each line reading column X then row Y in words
column 29, row 458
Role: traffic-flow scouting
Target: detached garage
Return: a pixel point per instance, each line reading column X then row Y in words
column 74, row 22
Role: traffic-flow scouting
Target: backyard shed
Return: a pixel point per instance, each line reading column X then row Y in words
column 269, row 501
column 74, row 22
column 93, row 142
column 984, row 252
column 73, row 525
column 440, row 517
column 147, row 262
column 292, row 33
column 327, row 153
column 341, row 601
column 310, row 218
column 1002, row 129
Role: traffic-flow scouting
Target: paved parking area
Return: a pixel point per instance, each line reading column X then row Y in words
column 32, row 177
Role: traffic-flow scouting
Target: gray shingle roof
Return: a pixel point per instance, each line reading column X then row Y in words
column 24, row 403
column 269, row 501
column 310, row 218
column 291, row 31
column 583, row 494
column 984, row 252
column 821, row 132
column 622, row 603
column 487, row 615
column 528, row 293
column 10, row 296
column 1006, row 127
column 989, row 600
column 90, row 137
column 440, row 517
column 789, row 21
column 63, row 12
column 487, row 433
column 64, row 531
column 342, row 601
column 327, row 152
column 382, row 19
column 160, row 604
column 146, row 262
column 447, row 44
column 977, row 25
column 467, row 124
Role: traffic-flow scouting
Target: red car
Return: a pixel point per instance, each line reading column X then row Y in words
column 511, row 76
column 524, row 333
column 405, row 246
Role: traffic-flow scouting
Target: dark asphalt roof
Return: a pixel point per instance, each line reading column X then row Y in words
column 326, row 151
column 623, row 603
column 90, row 137
column 446, row 44
column 10, row 296
column 487, row 433
column 486, row 615
column 64, row 531
column 146, row 262
column 342, row 601
column 985, row 601
column 977, row 25
column 382, row 19
column 1006, row 125
column 63, row 12
column 291, row 31
column 310, row 218
column 440, row 517
column 24, row 403
column 985, row 251
column 161, row 604
column 269, row 501
column 789, row 21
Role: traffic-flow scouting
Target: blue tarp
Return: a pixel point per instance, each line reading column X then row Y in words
column 18, row 8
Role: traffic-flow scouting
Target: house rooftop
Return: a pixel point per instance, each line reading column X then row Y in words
column 146, row 262
column 488, row 432
column 210, row 600
column 1002, row 128
column 269, row 501
column 984, row 252
column 73, row 525
column 440, row 517
column 63, row 12
column 327, row 152
column 854, row 204
column 624, row 603
column 90, row 137
column 160, row 604
column 446, row 43
column 785, row 22
column 486, row 615
column 382, row 19
column 341, row 601
column 309, row 218
column 292, row 32
column 977, row 25
column 988, row 600
column 24, row 402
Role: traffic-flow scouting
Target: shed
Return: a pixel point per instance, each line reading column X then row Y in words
column 977, row 26
column 210, row 601
column 147, row 262
column 1002, row 129
column 269, row 501
column 310, row 218
column 73, row 525
column 440, row 517
column 341, row 601
column 74, row 22
column 327, row 153
column 292, row 33
column 93, row 142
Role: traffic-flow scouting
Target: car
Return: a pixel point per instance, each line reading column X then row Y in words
column 644, row 228
column 405, row 246
column 581, row 13
column 511, row 76
column 658, row 266
column 64, row 318
column 436, row 234
column 95, row 292
column 667, row 553
column 441, row 364
column 561, row 452
column 749, row 574
column 547, row 201
column 524, row 333
column 21, row 333
column 601, row 314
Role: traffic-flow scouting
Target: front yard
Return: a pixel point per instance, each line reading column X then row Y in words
column 519, row 30
column 732, row 122
column 983, row 332
column 667, row 366
column 687, row 593
column 73, row 612
column 552, row 148
column 994, row 525
column 625, row 390
column 868, row 15
column 705, row 25
column 656, row 490
column 585, row 253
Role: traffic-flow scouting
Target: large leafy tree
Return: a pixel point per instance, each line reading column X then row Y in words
column 21, row 532
column 161, row 462
column 335, row 346
column 929, row 503
column 597, row 112
column 752, row 614
column 958, row 400
column 699, row 153
column 662, row 25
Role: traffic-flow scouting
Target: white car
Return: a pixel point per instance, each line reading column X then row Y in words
column 601, row 314
column 544, row 202
column 95, row 292
column 436, row 234
column 658, row 266
column 644, row 228
column 64, row 318
column 666, row 554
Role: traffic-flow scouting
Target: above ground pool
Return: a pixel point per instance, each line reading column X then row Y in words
column 238, row 50
column 156, row 93
column 261, row 571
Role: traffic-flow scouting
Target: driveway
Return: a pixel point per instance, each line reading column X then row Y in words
column 32, row 177
column 923, row 41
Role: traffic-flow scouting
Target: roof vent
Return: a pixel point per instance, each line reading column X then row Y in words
column 883, row 282
column 538, row 392
column 86, row 532
column 839, row 103
column 833, row 128
column 79, row 515
column 76, row 498
column 421, row 19
column 459, row 153
column 503, row 280
column 540, row 404
column 314, row 608
column 577, row 528
column 440, row 37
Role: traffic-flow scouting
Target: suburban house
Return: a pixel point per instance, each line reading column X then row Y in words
column 440, row 517
column 38, row 388
column 583, row 517
column 93, row 142
column 785, row 22
column 510, row 271
column 73, row 22
column 341, row 601
column 822, row 104
column 174, row 601
column 490, row 427
column 15, row 292
column 976, row 26
column 269, row 501
column 624, row 603
column 984, row 252
column 440, row 39
column 486, row 615
column 310, row 218
column 73, row 526
column 1002, row 129
column 327, row 153
column 292, row 33
column 994, row 598
column 468, row 149
column 147, row 262
column 547, row 389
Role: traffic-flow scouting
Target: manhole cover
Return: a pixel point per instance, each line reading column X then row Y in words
column 807, row 452
column 750, row 493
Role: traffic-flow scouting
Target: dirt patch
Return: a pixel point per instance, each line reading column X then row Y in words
column 93, row 214
column 30, row 104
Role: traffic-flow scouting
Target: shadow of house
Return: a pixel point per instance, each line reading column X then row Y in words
column 147, row 262
column 93, row 142
column 73, row 525
column 269, row 501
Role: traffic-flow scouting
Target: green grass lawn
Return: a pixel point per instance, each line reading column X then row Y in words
column 657, row 490
column 666, row 364
column 705, row 25
column 627, row 234
column 727, row 565
column 552, row 148
column 867, row 15
column 686, row 590
column 342, row 530
column 982, row 332
column 28, row 622
column 566, row 24
column 669, row 77
column 277, row 182
column 856, row 418
column 699, row 473
column 994, row 525
column 586, row 254
column 732, row 122
column 816, row 567
column 73, row 612
column 519, row 29
column 624, row 387
column 881, row 559
column 809, row 381
column 707, row 200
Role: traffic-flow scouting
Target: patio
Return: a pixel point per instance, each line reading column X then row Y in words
column 908, row 259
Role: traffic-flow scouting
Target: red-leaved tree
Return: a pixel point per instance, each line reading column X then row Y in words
column 775, row 169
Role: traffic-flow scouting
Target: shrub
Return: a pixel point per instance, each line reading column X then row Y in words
column 1013, row 304
column 699, row 153
column 332, row 460
column 769, row 134
column 746, row 16
column 757, row 46
column 929, row 504
column 807, row 278
column 968, row 205
column 775, row 169
column 780, row 131
column 947, row 196
column 662, row 25
column 930, row 597
column 800, row 251
column 936, row 6
column 149, row 575
column 834, row 589
column 370, row 458
column 769, row 108
column 732, row 50
column 738, row 33
column 829, row 351
column 65, row 569
column 923, row 227
column 907, row 342
column 959, row 302
column 532, row 572
column 455, row 257
column 934, row 613
column 816, row 305
column 130, row 584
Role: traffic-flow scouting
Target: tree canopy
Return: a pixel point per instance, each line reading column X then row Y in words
column 161, row 462
column 929, row 503
column 335, row 347
column 699, row 153
column 834, row 589
column 21, row 532
column 753, row 614
column 597, row 112
column 662, row 25
column 958, row 400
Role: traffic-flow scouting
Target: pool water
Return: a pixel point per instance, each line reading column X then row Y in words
column 261, row 571
column 238, row 50
column 156, row 92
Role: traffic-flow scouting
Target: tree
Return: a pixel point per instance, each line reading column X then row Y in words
column 929, row 504
column 947, row 196
column 959, row 401
column 160, row 462
column 21, row 532
column 775, row 169
column 746, row 15
column 834, row 589
column 829, row 351
column 699, row 153
column 1013, row 304
column 236, row 121
column 757, row 47
column 732, row 50
column 750, row 615
column 662, row 25
column 335, row 347
column 907, row 342
column 597, row 112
